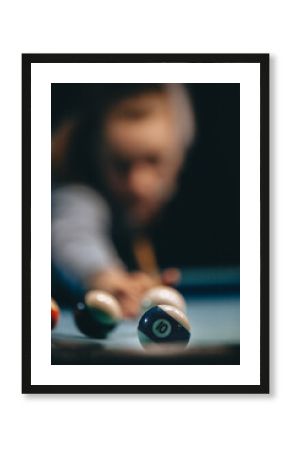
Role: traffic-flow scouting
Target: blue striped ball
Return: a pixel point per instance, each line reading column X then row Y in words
column 163, row 324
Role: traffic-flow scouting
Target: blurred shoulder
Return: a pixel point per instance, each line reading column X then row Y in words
column 77, row 193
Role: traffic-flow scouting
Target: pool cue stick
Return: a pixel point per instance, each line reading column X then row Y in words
column 145, row 256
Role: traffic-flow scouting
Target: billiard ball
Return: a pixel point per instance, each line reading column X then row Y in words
column 98, row 314
column 55, row 313
column 163, row 295
column 163, row 324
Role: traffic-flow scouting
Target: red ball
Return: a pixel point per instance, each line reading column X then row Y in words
column 55, row 313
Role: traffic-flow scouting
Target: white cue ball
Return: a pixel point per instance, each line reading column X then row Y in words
column 163, row 295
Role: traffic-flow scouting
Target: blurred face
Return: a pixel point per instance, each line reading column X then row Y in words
column 142, row 154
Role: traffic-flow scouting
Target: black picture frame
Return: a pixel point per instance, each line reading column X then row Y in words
column 263, row 61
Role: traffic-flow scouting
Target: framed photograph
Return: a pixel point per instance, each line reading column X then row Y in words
column 145, row 223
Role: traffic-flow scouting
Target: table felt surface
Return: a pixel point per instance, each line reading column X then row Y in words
column 213, row 309
column 213, row 321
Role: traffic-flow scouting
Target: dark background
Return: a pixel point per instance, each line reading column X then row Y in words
column 201, row 226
